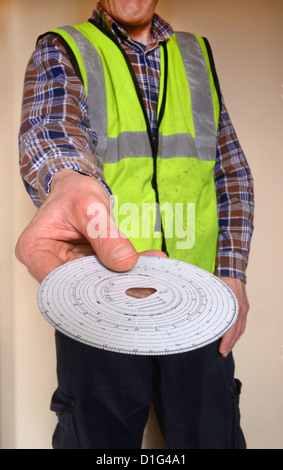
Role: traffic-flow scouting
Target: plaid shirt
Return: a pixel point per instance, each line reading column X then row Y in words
column 55, row 134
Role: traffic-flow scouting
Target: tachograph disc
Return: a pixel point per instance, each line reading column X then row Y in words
column 88, row 302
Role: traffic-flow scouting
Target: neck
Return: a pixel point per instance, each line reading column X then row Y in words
column 140, row 34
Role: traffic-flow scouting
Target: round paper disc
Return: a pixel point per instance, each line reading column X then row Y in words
column 189, row 309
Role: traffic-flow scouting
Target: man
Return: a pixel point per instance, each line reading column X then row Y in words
column 163, row 135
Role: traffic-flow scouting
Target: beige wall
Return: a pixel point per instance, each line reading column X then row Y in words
column 246, row 37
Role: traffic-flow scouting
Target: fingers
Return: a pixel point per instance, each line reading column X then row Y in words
column 156, row 253
column 233, row 335
column 111, row 246
column 75, row 220
column 39, row 260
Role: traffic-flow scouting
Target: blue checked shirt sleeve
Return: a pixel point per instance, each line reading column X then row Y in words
column 235, row 202
column 54, row 132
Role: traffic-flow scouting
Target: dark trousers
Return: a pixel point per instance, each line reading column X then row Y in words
column 103, row 398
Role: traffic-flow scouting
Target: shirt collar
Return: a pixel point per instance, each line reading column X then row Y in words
column 160, row 29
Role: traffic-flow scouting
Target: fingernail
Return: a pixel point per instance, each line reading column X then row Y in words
column 121, row 252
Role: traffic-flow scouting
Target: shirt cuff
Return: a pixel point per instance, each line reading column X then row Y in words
column 231, row 264
column 45, row 177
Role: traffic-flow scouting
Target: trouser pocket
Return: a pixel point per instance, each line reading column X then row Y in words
column 65, row 436
column 239, row 440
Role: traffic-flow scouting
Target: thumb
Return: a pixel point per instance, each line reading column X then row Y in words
column 111, row 246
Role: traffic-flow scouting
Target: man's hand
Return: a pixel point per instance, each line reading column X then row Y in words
column 231, row 337
column 62, row 230
column 59, row 232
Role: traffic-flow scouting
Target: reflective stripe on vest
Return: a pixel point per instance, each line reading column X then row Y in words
column 94, row 82
column 186, row 141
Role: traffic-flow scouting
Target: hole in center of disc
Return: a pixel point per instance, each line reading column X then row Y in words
column 140, row 292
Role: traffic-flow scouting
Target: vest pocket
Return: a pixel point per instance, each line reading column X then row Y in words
column 65, row 436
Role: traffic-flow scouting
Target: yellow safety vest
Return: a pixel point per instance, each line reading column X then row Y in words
column 165, row 190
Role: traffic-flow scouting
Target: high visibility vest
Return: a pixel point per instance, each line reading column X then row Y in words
column 164, row 190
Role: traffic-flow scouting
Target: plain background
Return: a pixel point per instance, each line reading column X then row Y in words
column 246, row 38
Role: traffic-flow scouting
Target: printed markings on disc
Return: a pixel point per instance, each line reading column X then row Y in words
column 188, row 307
